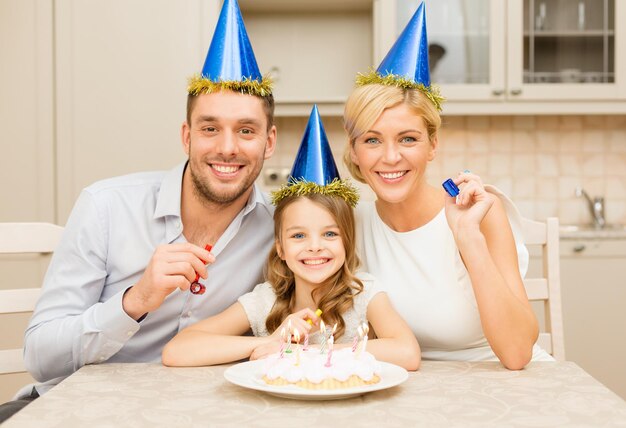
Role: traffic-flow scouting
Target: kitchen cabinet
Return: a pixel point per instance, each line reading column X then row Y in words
column 593, row 287
column 593, row 292
column 525, row 56
column 312, row 49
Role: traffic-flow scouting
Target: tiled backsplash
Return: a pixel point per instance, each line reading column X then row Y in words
column 537, row 160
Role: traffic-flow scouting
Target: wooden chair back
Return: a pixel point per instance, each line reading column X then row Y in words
column 547, row 289
column 23, row 238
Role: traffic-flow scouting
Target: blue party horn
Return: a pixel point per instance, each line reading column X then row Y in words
column 450, row 187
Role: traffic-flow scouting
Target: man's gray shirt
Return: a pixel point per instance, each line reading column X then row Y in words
column 108, row 241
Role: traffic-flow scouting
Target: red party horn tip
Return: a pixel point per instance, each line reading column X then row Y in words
column 196, row 287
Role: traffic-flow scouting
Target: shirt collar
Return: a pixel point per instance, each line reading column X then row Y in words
column 168, row 203
column 257, row 197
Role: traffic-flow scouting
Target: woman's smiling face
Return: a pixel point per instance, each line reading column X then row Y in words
column 392, row 155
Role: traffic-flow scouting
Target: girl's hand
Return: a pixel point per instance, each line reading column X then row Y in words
column 468, row 209
column 299, row 321
column 265, row 350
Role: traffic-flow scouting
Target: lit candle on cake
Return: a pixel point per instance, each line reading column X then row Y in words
column 331, row 343
column 282, row 342
column 366, row 330
column 358, row 337
column 296, row 335
column 306, row 342
column 288, row 350
column 323, row 333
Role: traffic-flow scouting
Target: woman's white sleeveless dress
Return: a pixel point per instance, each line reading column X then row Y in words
column 428, row 284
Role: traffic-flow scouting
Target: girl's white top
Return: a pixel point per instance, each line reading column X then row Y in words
column 428, row 284
column 258, row 303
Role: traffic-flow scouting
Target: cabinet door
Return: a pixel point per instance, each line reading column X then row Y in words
column 466, row 40
column 26, row 111
column 593, row 295
column 565, row 49
column 121, row 78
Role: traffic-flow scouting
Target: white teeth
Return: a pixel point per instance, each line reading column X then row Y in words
column 314, row 262
column 225, row 169
column 392, row 175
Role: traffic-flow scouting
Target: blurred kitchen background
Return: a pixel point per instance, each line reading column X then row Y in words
column 536, row 105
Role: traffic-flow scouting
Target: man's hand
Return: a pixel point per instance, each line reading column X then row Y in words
column 172, row 266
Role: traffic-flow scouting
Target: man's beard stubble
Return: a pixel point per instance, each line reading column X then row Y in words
column 206, row 194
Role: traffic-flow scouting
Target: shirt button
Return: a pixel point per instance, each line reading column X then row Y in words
column 129, row 334
column 189, row 313
column 177, row 224
column 101, row 358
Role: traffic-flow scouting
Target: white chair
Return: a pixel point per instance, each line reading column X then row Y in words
column 547, row 289
column 23, row 238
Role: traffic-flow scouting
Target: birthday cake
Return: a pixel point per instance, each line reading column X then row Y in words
column 314, row 370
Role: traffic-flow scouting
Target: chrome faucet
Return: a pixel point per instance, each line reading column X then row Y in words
column 596, row 208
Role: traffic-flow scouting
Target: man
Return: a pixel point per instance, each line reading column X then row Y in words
column 117, row 287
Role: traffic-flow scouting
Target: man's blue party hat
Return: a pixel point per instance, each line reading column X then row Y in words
column 406, row 64
column 230, row 62
column 315, row 170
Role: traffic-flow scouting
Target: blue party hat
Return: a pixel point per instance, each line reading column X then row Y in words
column 315, row 170
column 314, row 161
column 230, row 62
column 406, row 64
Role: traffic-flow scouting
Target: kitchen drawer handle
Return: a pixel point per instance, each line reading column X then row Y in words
column 579, row 248
column 497, row 92
column 516, row 91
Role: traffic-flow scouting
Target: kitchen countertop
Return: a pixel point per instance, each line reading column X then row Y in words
column 569, row 231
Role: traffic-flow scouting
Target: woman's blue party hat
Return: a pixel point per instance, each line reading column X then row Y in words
column 315, row 170
column 406, row 64
column 230, row 62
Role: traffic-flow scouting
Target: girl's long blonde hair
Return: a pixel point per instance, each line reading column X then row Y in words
column 337, row 293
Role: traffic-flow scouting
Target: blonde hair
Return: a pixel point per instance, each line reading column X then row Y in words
column 365, row 105
column 337, row 293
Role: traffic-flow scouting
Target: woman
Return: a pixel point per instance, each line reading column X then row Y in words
column 451, row 266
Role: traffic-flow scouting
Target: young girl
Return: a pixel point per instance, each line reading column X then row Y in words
column 311, row 267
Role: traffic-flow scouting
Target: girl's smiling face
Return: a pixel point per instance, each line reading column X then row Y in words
column 310, row 243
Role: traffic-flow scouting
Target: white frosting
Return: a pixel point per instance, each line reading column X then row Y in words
column 312, row 367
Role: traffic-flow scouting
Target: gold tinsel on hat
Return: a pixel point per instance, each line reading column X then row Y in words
column 340, row 188
column 373, row 77
column 201, row 85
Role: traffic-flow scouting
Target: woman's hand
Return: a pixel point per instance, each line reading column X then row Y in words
column 467, row 210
